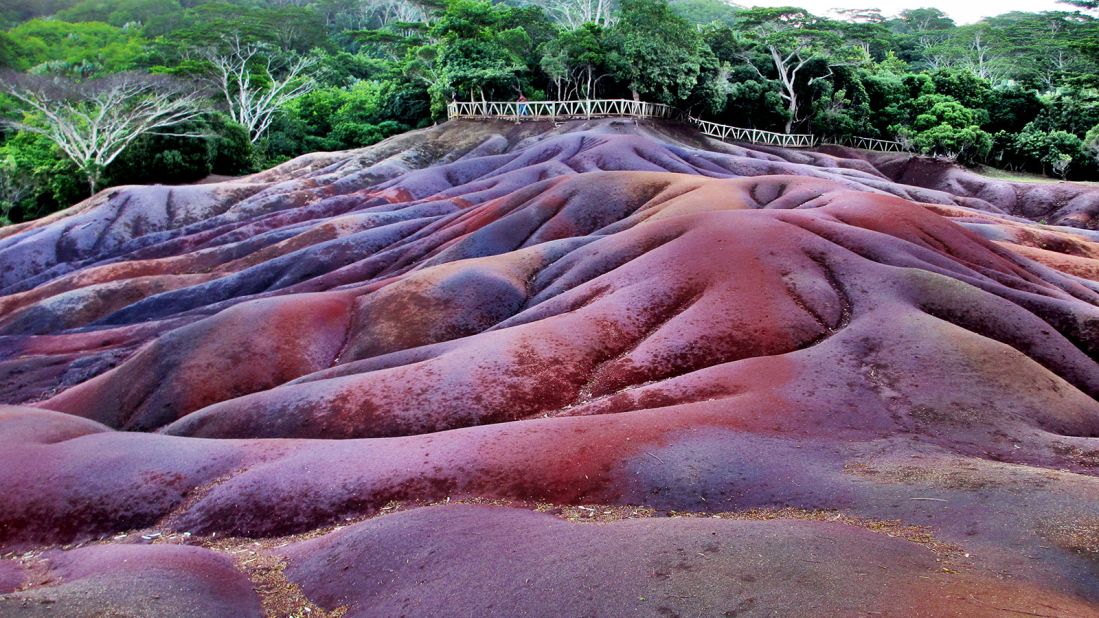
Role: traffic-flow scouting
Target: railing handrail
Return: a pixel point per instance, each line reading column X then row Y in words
column 597, row 108
column 868, row 143
column 558, row 109
column 756, row 136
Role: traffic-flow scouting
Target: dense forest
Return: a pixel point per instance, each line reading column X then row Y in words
column 105, row 92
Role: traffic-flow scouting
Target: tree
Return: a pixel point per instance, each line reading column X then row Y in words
column 1091, row 143
column 1090, row 5
column 209, row 25
column 938, row 124
column 477, row 51
column 1050, row 151
column 572, row 14
column 54, row 180
column 334, row 119
column 923, row 20
column 923, row 31
column 656, row 53
column 860, row 16
column 387, row 12
column 576, row 62
column 982, row 60
column 1070, row 109
column 702, row 12
column 253, row 86
column 81, row 50
column 792, row 40
column 1039, row 50
column 94, row 121
column 118, row 12
column 842, row 108
column 15, row 188
column 7, row 51
column 1011, row 108
column 870, row 34
column 966, row 144
column 169, row 157
column 966, row 87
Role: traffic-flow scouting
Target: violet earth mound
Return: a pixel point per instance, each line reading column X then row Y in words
column 600, row 369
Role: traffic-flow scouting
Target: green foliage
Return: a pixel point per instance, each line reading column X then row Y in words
column 939, row 124
column 334, row 119
column 963, row 86
column 794, row 50
column 478, row 52
column 82, row 49
column 164, row 158
column 170, row 158
column 936, row 109
column 1049, row 152
column 656, row 53
column 289, row 28
column 1091, row 143
column 341, row 68
column 233, row 153
column 55, row 182
column 701, row 12
column 576, row 61
column 7, row 51
column 916, row 21
column 1011, row 108
column 966, row 144
column 751, row 103
column 119, row 12
column 843, row 111
column 1072, row 110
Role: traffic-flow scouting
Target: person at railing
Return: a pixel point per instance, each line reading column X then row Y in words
column 523, row 109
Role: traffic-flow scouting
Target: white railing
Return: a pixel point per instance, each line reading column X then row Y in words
column 867, row 143
column 560, row 110
column 607, row 108
column 756, row 136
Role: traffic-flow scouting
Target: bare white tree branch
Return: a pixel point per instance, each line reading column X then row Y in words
column 571, row 14
column 253, row 93
column 94, row 121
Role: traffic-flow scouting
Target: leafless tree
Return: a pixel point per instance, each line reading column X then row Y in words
column 572, row 14
column 253, row 84
column 93, row 121
column 982, row 62
column 1053, row 69
column 390, row 11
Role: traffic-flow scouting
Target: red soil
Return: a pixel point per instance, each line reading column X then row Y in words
column 600, row 314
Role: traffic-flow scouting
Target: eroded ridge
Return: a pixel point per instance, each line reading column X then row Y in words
column 609, row 316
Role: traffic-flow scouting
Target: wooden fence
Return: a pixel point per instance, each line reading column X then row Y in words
column 608, row 108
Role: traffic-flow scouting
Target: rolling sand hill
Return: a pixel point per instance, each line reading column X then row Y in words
column 602, row 369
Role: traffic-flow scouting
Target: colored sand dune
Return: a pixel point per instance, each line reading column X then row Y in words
column 601, row 369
